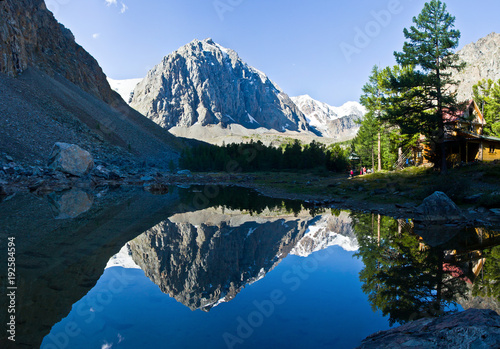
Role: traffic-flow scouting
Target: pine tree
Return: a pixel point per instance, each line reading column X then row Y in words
column 391, row 260
column 487, row 96
column 365, row 142
column 376, row 133
column 428, row 49
column 372, row 100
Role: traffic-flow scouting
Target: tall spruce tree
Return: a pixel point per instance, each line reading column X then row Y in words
column 429, row 50
column 391, row 258
column 372, row 100
column 365, row 142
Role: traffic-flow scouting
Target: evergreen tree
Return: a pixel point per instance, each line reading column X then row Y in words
column 376, row 138
column 390, row 142
column 487, row 96
column 255, row 156
column 372, row 100
column 292, row 156
column 365, row 143
column 428, row 53
column 337, row 158
column 487, row 285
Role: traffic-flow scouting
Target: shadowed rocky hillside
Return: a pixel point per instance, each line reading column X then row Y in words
column 52, row 90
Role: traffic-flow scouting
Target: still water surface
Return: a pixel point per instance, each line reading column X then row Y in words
column 228, row 268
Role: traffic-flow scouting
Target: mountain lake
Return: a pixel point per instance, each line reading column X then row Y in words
column 225, row 267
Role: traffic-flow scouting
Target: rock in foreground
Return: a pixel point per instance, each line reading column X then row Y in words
column 71, row 159
column 473, row 328
column 439, row 207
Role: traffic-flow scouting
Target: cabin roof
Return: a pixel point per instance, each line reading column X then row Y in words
column 450, row 116
column 491, row 138
column 476, row 136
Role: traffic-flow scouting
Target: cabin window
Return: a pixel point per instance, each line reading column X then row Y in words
column 492, row 149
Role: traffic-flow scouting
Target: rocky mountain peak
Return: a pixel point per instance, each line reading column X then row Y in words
column 207, row 257
column 482, row 62
column 329, row 121
column 204, row 83
column 328, row 231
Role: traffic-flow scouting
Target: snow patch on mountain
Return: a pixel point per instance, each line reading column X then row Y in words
column 124, row 87
column 328, row 231
column 349, row 108
column 329, row 121
column 123, row 259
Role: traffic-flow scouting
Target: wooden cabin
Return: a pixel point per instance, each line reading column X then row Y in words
column 464, row 139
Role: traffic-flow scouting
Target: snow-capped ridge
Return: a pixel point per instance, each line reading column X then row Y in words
column 328, row 231
column 124, row 87
column 123, row 259
column 349, row 108
column 329, row 121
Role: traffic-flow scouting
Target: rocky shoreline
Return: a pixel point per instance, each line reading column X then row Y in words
column 479, row 216
column 70, row 166
column 44, row 179
column 472, row 328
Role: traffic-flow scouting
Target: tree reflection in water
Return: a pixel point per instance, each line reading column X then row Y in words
column 487, row 284
column 406, row 278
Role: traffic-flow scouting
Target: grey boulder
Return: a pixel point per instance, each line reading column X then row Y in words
column 473, row 328
column 439, row 207
column 71, row 204
column 71, row 159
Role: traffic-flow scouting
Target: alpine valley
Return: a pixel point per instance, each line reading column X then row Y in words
column 123, row 226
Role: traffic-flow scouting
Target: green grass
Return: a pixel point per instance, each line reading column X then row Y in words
column 409, row 185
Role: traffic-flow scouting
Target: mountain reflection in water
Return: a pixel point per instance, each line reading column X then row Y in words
column 209, row 254
column 206, row 257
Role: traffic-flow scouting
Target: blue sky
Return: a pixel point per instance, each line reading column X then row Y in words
column 323, row 48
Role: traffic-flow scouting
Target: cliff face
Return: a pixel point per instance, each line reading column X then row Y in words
column 30, row 36
column 204, row 83
column 52, row 90
column 482, row 59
